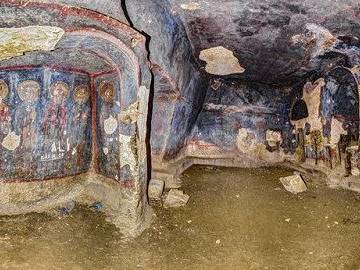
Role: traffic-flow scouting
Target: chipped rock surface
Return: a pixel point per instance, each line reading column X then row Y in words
column 273, row 138
column 318, row 38
column 337, row 130
column 221, row 61
column 294, row 183
column 176, row 198
column 11, row 141
column 248, row 144
column 128, row 155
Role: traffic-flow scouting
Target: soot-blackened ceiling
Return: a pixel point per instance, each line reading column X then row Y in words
column 274, row 41
column 269, row 41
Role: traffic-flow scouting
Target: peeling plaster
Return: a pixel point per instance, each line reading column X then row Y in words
column 273, row 138
column 336, row 131
column 318, row 38
column 110, row 125
column 11, row 141
column 127, row 155
column 17, row 41
column 190, row 6
column 221, row 61
column 130, row 115
column 312, row 96
column 248, row 144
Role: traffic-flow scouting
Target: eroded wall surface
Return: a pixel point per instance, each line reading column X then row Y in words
column 179, row 87
column 246, row 119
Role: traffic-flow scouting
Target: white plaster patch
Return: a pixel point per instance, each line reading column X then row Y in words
column 17, row 41
column 317, row 38
column 248, row 144
column 190, row 6
column 53, row 148
column 312, row 97
column 130, row 115
column 246, row 141
column 11, row 141
column 110, row 125
column 273, row 138
column 106, row 150
column 336, row 131
column 221, row 61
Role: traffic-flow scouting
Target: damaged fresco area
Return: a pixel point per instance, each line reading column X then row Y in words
column 328, row 131
column 45, row 124
column 312, row 122
column 243, row 119
column 116, row 132
column 108, row 108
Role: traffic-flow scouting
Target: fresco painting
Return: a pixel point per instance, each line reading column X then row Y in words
column 45, row 124
column 108, row 109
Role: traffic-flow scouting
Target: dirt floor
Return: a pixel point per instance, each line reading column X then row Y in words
column 235, row 219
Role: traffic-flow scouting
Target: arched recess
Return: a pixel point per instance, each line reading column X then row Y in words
column 123, row 49
column 132, row 101
column 340, row 104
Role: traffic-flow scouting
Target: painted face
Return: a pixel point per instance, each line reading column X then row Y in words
column 4, row 108
column 28, row 90
column 82, row 94
column 107, row 91
column 59, row 92
column 4, row 90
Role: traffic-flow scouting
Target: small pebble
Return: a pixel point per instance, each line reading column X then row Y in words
column 218, row 241
column 287, row 220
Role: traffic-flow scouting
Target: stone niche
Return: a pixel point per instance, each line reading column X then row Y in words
column 59, row 125
column 73, row 112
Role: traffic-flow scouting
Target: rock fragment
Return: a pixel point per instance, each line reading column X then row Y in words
column 155, row 190
column 176, row 198
column 294, row 183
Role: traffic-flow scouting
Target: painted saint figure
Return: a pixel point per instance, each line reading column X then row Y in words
column 55, row 120
column 80, row 119
column 109, row 111
column 25, row 117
